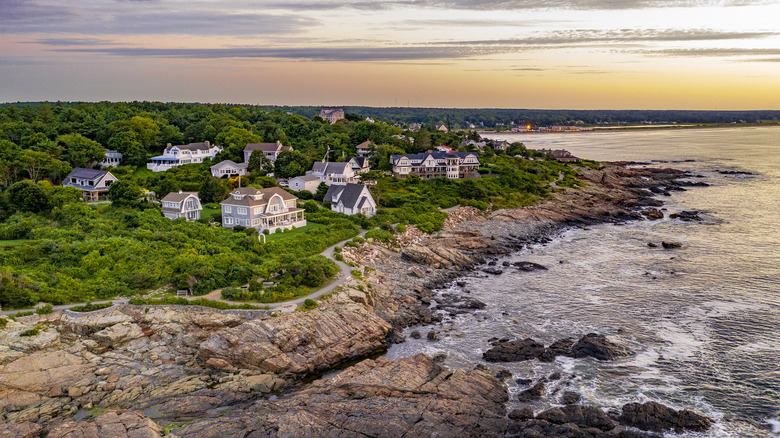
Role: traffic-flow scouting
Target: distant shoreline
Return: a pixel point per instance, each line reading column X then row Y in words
column 592, row 129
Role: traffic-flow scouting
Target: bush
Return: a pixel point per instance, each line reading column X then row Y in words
column 309, row 304
column 89, row 307
column 235, row 294
column 401, row 228
column 387, row 226
column 352, row 244
column 357, row 274
column 3, row 323
column 239, row 228
column 31, row 332
column 482, row 205
column 338, row 257
column 45, row 309
column 379, row 235
column 178, row 301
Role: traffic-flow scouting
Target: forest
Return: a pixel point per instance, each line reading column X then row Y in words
column 58, row 249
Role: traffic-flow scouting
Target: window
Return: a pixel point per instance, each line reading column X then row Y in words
column 227, row 209
column 258, row 210
column 255, row 222
column 242, row 210
column 228, row 221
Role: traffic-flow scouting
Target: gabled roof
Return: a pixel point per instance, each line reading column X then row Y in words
column 365, row 145
column 359, row 161
column 267, row 147
column 330, row 167
column 192, row 146
column 435, row 155
column 348, row 194
column 178, row 196
column 262, row 195
column 306, row 178
column 232, row 163
column 90, row 174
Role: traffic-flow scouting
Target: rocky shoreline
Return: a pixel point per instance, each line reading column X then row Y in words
column 145, row 371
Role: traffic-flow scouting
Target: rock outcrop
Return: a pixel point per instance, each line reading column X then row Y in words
column 656, row 417
column 114, row 424
column 590, row 345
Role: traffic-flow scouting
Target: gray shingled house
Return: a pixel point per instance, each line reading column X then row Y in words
column 181, row 204
column 93, row 183
column 351, row 199
column 266, row 209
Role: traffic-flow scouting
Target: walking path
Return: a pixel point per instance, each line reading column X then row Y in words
column 346, row 272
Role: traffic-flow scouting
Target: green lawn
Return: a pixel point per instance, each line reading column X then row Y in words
column 210, row 213
column 281, row 236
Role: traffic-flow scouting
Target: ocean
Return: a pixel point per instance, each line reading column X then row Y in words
column 703, row 320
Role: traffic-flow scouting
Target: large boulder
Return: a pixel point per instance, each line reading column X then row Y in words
column 115, row 424
column 533, row 393
column 656, row 417
column 599, row 347
column 587, row 416
column 514, row 351
column 22, row 429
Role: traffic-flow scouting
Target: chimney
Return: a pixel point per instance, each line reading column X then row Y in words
column 208, row 143
column 180, row 191
column 168, row 145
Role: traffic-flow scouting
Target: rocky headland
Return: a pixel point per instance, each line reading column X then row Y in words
column 148, row 371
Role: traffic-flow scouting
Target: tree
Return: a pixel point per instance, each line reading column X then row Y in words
column 234, row 140
column 81, row 151
column 124, row 194
column 322, row 189
column 213, row 190
column 39, row 164
column 127, row 143
column 260, row 163
column 28, row 197
column 290, row 163
column 310, row 206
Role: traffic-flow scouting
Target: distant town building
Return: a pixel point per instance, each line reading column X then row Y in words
column 267, row 209
column 453, row 165
column 333, row 173
column 560, row 154
column 179, row 155
column 181, row 204
column 443, row 128
column 442, row 148
column 271, row 150
column 501, row 145
column 113, row 158
column 93, row 184
column 304, row 182
column 332, row 115
column 228, row 168
column 351, row 199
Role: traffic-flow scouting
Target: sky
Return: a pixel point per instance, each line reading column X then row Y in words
column 556, row 54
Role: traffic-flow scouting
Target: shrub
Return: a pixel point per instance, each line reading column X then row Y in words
column 309, row 304
column 352, row 244
column 379, row 235
column 45, row 309
column 3, row 323
column 401, row 228
column 89, row 307
column 266, row 232
column 178, row 301
column 30, row 332
column 482, row 205
column 357, row 274
column 358, row 240
column 387, row 226
column 338, row 257
column 235, row 294
column 239, row 228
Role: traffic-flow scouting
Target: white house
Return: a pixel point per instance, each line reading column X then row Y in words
column 359, row 164
column 333, row 173
column 351, row 199
column 179, row 155
column 271, row 150
column 364, row 148
column 305, row 182
column 228, row 168
column 112, row 159
column 181, row 204
column 332, row 115
column 92, row 183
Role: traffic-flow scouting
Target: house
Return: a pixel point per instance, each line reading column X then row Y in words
column 93, row 183
column 271, row 150
column 442, row 148
column 351, row 199
column 333, row 173
column 181, row 154
column 364, row 149
column 332, row 115
column 112, row 159
column 502, row 145
column 181, row 204
column 443, row 128
column 305, row 182
column 359, row 164
column 560, row 154
column 453, row 165
column 228, row 168
column 480, row 145
column 267, row 209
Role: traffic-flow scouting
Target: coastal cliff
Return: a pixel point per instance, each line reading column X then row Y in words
column 148, row 370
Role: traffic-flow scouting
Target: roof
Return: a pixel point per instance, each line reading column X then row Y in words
column 306, row 178
column 436, row 156
column 222, row 164
column 348, row 194
column 266, row 147
column 90, row 174
column 261, row 200
column 178, row 196
column 365, row 145
column 360, row 161
column 193, row 146
column 330, row 167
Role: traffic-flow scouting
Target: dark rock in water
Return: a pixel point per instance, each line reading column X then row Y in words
column 597, row 346
column 734, row 172
column 533, row 393
column 587, row 416
column 652, row 245
column 503, row 374
column 514, row 351
column 506, row 264
column 529, row 266
column 561, row 347
column 554, row 376
column 656, row 417
column 415, row 334
column 686, row 215
column 670, row 245
column 524, row 413
column 440, row 358
column 653, row 213
column 523, row 381
column 492, row 263
column 458, row 305
column 460, row 283
column 432, row 336
column 570, row 397
column 493, row 271
column 694, row 183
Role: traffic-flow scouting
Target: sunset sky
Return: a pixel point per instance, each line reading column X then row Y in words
column 614, row 54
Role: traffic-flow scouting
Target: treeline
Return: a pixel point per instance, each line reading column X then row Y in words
column 462, row 118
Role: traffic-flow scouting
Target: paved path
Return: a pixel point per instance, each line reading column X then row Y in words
column 66, row 306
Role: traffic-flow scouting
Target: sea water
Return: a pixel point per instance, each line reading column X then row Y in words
column 703, row 320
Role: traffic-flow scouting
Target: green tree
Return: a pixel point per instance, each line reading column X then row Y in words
column 213, row 190
column 127, row 143
column 258, row 162
column 322, row 189
column 124, row 194
column 81, row 151
column 234, row 140
column 28, row 197
column 39, row 164
column 290, row 163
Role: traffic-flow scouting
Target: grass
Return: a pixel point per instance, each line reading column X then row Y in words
column 89, row 307
column 210, row 213
column 197, row 302
column 273, row 237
